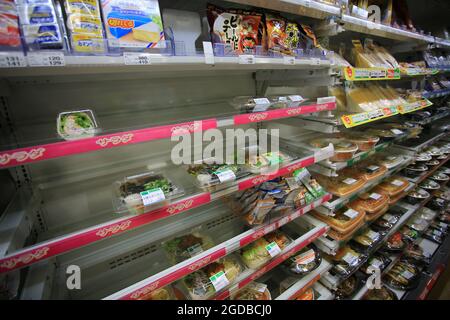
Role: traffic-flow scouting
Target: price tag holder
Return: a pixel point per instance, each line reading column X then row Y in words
column 225, row 175
column 152, row 196
column 273, row 249
column 209, row 52
column 219, row 280
column 136, row 59
column 289, row 60
column 247, row 59
column 12, row 60
column 46, row 59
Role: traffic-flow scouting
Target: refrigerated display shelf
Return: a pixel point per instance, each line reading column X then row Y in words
column 424, row 141
column 305, row 282
column 41, row 152
column 436, row 94
column 70, row 241
column 180, row 270
column 338, row 202
column 428, row 174
column 290, row 250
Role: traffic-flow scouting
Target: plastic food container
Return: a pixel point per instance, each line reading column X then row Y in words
column 343, row 221
column 423, row 157
column 216, row 276
column 415, row 252
column 211, row 176
column 395, row 243
column 303, row 262
column 342, row 185
column 73, row 125
column 430, row 185
column 371, row 169
column 418, row 224
column 375, row 215
column 344, row 150
column 290, row 101
column 392, row 186
column 432, row 163
column 389, row 161
column 347, row 288
column 417, row 195
column 253, row 291
column 187, row 246
column 365, row 142
column 383, row 293
column 440, row 177
column 367, row 240
column 258, row 162
column 247, row 104
column 402, row 276
column 346, row 261
column 370, row 202
column 384, row 134
column 415, row 170
column 145, row 192
column 378, row 260
column 386, row 221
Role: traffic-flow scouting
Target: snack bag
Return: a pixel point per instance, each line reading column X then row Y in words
column 292, row 40
column 9, row 24
column 276, row 33
column 248, row 35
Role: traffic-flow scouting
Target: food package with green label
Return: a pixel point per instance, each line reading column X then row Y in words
column 261, row 161
column 79, row 124
column 188, row 245
column 145, row 192
column 212, row 174
column 213, row 278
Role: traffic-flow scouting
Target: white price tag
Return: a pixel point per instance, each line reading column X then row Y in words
column 376, row 263
column 219, row 281
column 307, row 3
column 437, row 233
column 296, row 98
column 209, row 52
column 195, row 249
column 397, row 132
column 326, row 100
column 273, row 249
column 373, row 168
column 352, row 214
column 225, row 175
column 289, row 60
column 152, row 196
column 136, row 59
column 306, row 257
column 389, row 218
column 443, row 224
column 349, row 181
column 247, row 59
column 397, row 183
column 350, row 258
column 46, row 59
column 373, row 235
column 407, row 275
column 375, row 196
column 12, row 60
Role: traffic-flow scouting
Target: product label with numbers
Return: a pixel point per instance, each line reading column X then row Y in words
column 136, row 59
column 352, row 214
column 225, row 175
column 11, row 60
column 219, row 280
column 47, row 59
column 273, row 249
column 152, row 196
column 247, row 59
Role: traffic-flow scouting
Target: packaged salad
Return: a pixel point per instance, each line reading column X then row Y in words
column 73, row 125
column 145, row 192
column 204, row 283
column 187, row 246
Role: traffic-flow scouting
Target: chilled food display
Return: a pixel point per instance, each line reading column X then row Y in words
column 390, row 161
column 364, row 141
column 380, row 294
column 344, row 222
column 346, row 261
column 417, row 195
column 187, row 246
column 343, row 149
column 74, row 125
column 303, row 262
column 254, row 291
column 402, row 276
column 146, row 191
column 203, row 283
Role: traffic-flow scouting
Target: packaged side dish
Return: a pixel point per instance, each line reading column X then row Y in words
column 187, row 246
column 392, row 186
column 380, row 294
column 370, row 202
column 145, row 192
column 402, row 276
column 73, row 125
column 165, row 293
column 254, row 291
column 346, row 261
column 344, row 150
column 304, row 261
column 216, row 276
column 367, row 240
column 371, row 169
column 364, row 141
column 344, row 220
column 342, row 185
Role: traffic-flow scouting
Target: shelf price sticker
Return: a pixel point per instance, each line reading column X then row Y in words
column 306, row 257
column 368, row 74
column 289, row 60
column 357, row 119
column 12, row 60
column 247, row 59
column 273, row 249
column 219, row 280
column 225, row 175
column 152, row 196
column 136, row 59
column 46, row 59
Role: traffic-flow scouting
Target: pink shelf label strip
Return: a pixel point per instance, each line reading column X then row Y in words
column 66, row 148
column 71, row 242
column 281, row 113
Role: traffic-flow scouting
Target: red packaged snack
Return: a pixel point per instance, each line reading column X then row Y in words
column 9, row 24
column 276, row 33
column 237, row 28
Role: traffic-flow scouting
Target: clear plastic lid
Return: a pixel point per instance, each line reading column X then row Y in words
column 145, row 192
column 248, row 104
column 216, row 276
column 258, row 161
column 73, row 125
column 253, row 291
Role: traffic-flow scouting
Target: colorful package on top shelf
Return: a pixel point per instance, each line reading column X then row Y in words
column 133, row 24
column 85, row 26
column 9, row 22
column 40, row 23
column 372, row 56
